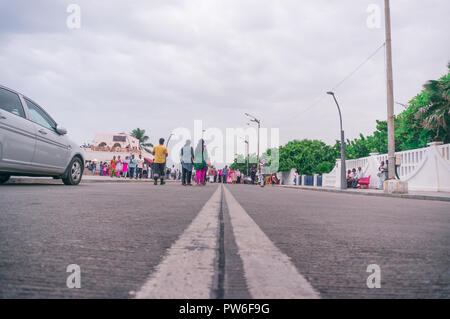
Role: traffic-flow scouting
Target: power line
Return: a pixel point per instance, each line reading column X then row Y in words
column 359, row 67
column 322, row 96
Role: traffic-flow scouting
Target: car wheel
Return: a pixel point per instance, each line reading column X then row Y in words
column 74, row 172
column 4, row 179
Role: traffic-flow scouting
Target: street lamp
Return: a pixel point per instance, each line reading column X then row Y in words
column 254, row 119
column 246, row 142
column 343, row 174
column 167, row 143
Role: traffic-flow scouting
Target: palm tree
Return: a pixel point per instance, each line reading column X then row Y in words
column 140, row 135
column 435, row 116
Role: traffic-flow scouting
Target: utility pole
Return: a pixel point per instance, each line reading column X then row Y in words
column 390, row 92
column 391, row 185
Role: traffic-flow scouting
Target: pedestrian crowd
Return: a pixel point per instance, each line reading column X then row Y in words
column 195, row 168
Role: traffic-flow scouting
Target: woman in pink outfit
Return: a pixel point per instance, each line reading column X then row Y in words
column 125, row 166
column 230, row 176
column 200, row 162
column 238, row 176
column 118, row 167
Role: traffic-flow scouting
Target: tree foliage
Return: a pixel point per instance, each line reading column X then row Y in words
column 240, row 162
column 143, row 139
column 426, row 119
column 307, row 156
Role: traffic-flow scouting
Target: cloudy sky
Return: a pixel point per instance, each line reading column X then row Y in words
column 160, row 65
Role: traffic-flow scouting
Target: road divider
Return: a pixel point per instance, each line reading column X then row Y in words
column 269, row 273
column 188, row 269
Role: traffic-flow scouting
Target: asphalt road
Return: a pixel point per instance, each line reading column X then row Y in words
column 128, row 236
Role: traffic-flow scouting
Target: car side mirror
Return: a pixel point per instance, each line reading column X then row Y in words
column 61, row 130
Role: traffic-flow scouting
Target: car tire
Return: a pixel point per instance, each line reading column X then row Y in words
column 4, row 178
column 74, row 172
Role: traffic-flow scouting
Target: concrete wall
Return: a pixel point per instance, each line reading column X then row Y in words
column 425, row 169
column 287, row 178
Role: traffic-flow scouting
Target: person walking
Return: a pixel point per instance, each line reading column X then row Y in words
column 149, row 170
column 225, row 174
column 187, row 163
column 118, row 167
column 200, row 162
column 113, row 166
column 160, row 152
column 125, row 164
column 382, row 172
column 132, row 166
column 168, row 173
column 238, row 176
column 230, row 176
column 212, row 174
column 253, row 174
column 139, row 167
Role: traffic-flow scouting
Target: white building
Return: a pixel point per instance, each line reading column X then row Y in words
column 107, row 145
column 105, row 140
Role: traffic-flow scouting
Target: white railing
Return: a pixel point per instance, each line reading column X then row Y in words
column 356, row 163
column 445, row 151
column 425, row 168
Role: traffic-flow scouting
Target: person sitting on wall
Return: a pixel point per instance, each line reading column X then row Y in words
column 357, row 176
column 349, row 178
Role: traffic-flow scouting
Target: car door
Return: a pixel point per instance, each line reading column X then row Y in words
column 52, row 149
column 17, row 134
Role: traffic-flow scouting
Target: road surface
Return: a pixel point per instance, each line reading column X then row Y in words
column 138, row 240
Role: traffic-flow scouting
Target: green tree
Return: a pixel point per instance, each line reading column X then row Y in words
column 307, row 156
column 434, row 108
column 140, row 135
column 240, row 162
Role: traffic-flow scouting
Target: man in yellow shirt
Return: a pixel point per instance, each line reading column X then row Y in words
column 160, row 152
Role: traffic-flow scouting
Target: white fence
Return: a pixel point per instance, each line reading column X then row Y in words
column 425, row 169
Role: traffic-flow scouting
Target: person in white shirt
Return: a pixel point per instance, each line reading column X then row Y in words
column 140, row 167
column 359, row 173
column 357, row 176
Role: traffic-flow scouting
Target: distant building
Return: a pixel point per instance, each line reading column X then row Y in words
column 107, row 145
column 115, row 140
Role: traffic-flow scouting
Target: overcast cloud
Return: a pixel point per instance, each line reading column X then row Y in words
column 159, row 65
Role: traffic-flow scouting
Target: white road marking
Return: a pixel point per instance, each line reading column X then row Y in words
column 187, row 271
column 269, row 272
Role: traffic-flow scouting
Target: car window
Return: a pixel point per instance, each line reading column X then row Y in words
column 10, row 102
column 38, row 116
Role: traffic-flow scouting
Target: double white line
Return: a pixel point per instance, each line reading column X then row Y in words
column 188, row 270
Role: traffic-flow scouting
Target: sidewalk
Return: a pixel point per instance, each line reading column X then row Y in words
column 84, row 180
column 440, row 196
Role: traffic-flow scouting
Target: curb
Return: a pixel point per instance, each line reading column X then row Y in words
column 405, row 196
column 40, row 181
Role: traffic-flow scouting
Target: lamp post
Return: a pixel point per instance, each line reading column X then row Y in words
column 167, row 143
column 343, row 169
column 254, row 119
column 247, row 149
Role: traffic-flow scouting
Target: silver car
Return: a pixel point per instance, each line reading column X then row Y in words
column 32, row 144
